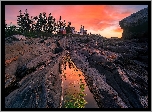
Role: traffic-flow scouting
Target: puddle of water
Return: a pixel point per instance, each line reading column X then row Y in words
column 76, row 93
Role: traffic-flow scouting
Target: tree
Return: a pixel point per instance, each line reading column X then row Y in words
column 50, row 23
column 20, row 22
column 34, row 24
column 68, row 28
column 39, row 23
column 44, row 22
column 27, row 22
column 24, row 22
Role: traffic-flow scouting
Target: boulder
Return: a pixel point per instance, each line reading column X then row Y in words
column 135, row 25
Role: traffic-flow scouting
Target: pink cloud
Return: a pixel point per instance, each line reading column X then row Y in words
column 96, row 17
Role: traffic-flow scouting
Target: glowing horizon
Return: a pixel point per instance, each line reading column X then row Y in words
column 97, row 19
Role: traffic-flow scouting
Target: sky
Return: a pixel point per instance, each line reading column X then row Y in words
column 97, row 19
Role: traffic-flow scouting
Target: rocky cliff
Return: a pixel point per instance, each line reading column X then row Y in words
column 135, row 25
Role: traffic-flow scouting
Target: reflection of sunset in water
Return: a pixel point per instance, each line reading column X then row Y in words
column 75, row 89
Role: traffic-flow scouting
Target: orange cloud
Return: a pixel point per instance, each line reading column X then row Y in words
column 89, row 16
column 118, row 29
column 94, row 17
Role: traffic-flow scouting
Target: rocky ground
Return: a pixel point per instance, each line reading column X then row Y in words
column 116, row 70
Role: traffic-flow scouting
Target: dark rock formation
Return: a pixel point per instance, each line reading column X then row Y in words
column 40, row 88
column 115, row 70
column 35, row 82
column 111, row 86
column 135, row 25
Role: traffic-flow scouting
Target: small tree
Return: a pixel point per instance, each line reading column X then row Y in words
column 44, row 22
column 68, row 28
column 24, row 22
column 34, row 24
column 27, row 22
column 20, row 22
column 39, row 23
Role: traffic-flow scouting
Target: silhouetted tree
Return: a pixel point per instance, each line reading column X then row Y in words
column 24, row 22
column 44, row 22
column 50, row 22
column 64, row 24
column 39, row 23
column 68, row 28
column 27, row 22
column 20, row 21
column 54, row 25
column 34, row 24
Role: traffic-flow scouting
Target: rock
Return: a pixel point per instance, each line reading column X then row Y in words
column 41, row 41
column 116, row 71
column 21, row 71
column 58, row 44
column 143, row 58
column 34, row 90
column 48, row 44
column 57, row 50
column 97, row 58
column 135, row 25
column 85, row 52
column 7, row 62
column 19, row 37
column 11, row 39
column 53, row 46
column 94, row 80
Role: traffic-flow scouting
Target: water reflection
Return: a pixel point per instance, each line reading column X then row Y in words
column 76, row 93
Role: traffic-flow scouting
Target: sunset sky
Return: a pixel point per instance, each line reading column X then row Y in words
column 97, row 19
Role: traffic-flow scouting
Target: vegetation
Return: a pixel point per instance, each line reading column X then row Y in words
column 36, row 26
column 74, row 100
